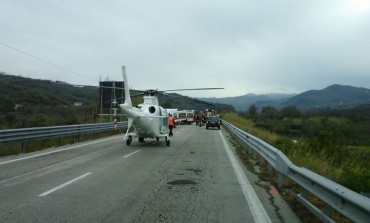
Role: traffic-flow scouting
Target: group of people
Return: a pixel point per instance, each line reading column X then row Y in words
column 199, row 119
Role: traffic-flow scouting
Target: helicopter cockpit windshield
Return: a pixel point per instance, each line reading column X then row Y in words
column 148, row 100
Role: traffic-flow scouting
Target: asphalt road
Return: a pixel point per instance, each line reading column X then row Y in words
column 196, row 179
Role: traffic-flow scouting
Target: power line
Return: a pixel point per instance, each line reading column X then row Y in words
column 37, row 42
column 32, row 40
column 43, row 60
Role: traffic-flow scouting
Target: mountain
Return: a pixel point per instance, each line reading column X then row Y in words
column 334, row 96
column 242, row 103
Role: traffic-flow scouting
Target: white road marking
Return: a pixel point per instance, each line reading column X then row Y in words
column 258, row 212
column 56, row 151
column 131, row 153
column 63, row 185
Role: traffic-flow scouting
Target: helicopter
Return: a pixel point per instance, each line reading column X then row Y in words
column 148, row 119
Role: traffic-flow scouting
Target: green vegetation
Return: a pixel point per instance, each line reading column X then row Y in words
column 27, row 102
column 333, row 143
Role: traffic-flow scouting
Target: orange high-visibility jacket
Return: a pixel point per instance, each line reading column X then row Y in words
column 171, row 121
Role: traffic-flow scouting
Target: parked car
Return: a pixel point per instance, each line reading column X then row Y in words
column 213, row 121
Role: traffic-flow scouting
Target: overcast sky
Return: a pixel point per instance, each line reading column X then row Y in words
column 245, row 46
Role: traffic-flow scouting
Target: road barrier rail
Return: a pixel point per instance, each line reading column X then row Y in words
column 25, row 134
column 352, row 205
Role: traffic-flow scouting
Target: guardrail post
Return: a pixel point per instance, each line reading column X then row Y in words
column 249, row 150
column 261, row 161
column 280, row 179
column 269, row 168
column 23, row 150
column 253, row 155
column 304, row 193
column 328, row 210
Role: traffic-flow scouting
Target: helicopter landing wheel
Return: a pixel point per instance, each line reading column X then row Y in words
column 128, row 141
column 157, row 139
column 167, row 141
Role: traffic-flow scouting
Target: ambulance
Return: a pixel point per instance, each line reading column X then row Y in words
column 184, row 117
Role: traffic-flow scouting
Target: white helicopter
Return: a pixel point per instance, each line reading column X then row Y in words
column 147, row 120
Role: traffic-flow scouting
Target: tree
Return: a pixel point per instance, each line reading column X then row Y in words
column 252, row 111
column 167, row 104
column 269, row 112
column 290, row 112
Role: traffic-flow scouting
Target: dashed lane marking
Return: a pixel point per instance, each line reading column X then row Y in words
column 64, row 185
column 130, row 154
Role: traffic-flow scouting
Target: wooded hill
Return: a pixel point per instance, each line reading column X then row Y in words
column 27, row 102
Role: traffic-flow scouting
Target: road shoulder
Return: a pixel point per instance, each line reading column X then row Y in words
column 276, row 207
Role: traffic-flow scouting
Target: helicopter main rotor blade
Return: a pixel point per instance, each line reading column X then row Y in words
column 134, row 90
column 187, row 98
column 80, row 85
column 195, row 89
column 132, row 96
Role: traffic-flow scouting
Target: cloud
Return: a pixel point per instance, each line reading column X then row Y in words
column 244, row 46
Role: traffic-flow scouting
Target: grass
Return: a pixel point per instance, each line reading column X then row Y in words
column 248, row 126
column 323, row 162
column 345, row 168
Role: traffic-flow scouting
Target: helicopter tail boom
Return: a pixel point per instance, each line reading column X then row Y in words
column 127, row 90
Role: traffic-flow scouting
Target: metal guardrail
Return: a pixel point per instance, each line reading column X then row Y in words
column 354, row 206
column 21, row 135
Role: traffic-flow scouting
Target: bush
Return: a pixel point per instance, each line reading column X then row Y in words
column 356, row 178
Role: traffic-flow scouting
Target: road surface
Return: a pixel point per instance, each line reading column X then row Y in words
column 196, row 179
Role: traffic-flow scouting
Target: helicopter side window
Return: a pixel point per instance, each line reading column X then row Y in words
column 152, row 109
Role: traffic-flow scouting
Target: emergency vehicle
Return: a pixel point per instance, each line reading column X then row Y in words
column 209, row 112
column 184, row 117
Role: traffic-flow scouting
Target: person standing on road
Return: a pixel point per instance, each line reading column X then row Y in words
column 171, row 124
column 196, row 119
